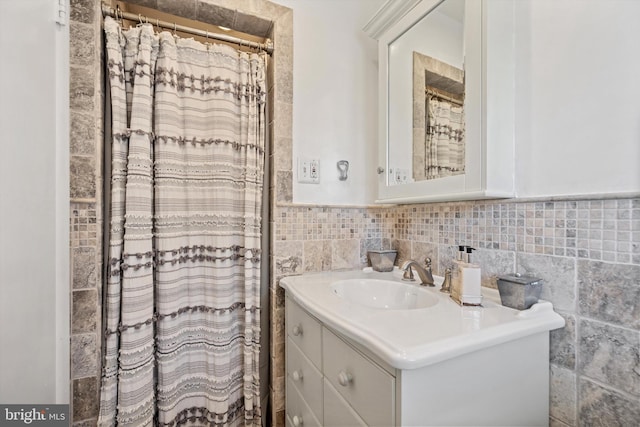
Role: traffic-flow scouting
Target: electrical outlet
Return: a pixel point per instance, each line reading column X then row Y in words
column 308, row 170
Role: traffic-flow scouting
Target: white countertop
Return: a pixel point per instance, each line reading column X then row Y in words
column 411, row 339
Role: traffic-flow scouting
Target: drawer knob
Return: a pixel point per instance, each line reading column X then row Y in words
column 297, row 330
column 297, row 421
column 345, row 378
column 297, row 375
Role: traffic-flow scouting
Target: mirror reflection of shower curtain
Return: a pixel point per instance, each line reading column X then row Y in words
column 182, row 322
column 444, row 139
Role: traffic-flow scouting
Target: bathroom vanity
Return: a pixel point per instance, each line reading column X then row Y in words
column 365, row 348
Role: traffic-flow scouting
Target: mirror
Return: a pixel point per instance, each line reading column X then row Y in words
column 446, row 100
column 426, row 97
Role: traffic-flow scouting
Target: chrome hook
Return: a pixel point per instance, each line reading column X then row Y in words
column 343, row 169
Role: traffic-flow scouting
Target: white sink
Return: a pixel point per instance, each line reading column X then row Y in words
column 383, row 294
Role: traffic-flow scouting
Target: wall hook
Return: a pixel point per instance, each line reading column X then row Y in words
column 343, row 169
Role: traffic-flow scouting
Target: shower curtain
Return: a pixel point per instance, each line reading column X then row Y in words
column 444, row 139
column 182, row 316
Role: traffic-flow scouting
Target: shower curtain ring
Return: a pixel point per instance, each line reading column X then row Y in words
column 140, row 19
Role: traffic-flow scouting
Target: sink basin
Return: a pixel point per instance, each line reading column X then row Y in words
column 383, row 294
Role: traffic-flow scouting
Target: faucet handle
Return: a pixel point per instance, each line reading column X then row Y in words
column 446, row 285
column 427, row 262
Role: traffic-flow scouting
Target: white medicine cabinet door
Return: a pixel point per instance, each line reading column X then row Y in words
column 446, row 94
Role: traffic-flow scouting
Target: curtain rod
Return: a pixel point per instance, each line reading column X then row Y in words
column 119, row 14
column 439, row 94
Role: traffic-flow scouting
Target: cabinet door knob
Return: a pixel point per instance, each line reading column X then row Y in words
column 345, row 378
column 297, row 330
column 297, row 420
column 297, row 375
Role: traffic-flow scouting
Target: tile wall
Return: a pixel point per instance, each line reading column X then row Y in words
column 587, row 252
column 85, row 102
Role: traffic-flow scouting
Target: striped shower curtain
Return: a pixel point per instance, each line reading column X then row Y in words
column 444, row 139
column 182, row 317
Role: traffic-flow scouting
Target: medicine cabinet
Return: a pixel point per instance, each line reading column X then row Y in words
column 446, row 100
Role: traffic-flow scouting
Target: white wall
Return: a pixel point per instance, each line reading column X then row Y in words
column 577, row 96
column 335, row 98
column 34, row 205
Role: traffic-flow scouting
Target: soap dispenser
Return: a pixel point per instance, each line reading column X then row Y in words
column 469, row 284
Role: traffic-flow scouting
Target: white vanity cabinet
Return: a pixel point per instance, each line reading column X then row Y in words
column 333, row 381
column 329, row 382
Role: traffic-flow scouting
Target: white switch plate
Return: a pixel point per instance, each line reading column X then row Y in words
column 308, row 170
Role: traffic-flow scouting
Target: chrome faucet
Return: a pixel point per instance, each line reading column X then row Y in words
column 424, row 273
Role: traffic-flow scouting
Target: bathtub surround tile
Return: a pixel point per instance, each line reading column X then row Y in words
column 611, row 355
column 183, row 8
column 284, row 160
column 146, row 3
column 83, row 134
column 81, row 44
column 84, row 267
column 557, row 423
column 215, row 14
column 83, row 177
column 284, row 186
column 610, row 292
column 600, row 406
column 563, row 395
column 558, row 274
column 562, row 346
column 85, row 398
column 82, row 11
column 82, row 88
column 84, row 311
column 84, row 363
column 251, row 24
column 282, row 128
column 86, row 423
column 83, row 225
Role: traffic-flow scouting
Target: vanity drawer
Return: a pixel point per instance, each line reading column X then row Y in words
column 304, row 331
column 365, row 386
column 337, row 410
column 298, row 411
column 306, row 378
